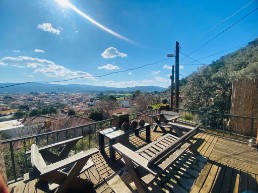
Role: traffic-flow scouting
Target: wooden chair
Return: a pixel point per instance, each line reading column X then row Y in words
column 54, row 174
column 150, row 161
column 51, row 157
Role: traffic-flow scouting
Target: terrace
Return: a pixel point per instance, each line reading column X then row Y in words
column 220, row 159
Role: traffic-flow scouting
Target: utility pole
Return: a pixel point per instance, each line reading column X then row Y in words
column 172, row 88
column 177, row 76
column 172, row 84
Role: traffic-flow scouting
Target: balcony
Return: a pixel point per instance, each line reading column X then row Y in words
column 220, row 159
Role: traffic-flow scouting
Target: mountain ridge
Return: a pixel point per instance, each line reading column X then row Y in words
column 70, row 88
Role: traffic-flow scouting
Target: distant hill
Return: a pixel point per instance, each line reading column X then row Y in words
column 71, row 88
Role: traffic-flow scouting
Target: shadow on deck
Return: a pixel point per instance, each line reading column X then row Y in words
column 213, row 165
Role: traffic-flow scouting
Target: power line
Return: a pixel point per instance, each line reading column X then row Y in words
column 191, row 58
column 216, row 53
column 222, row 51
column 232, row 15
column 222, row 32
column 80, row 77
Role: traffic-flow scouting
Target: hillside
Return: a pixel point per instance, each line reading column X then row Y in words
column 210, row 87
column 241, row 63
column 71, row 88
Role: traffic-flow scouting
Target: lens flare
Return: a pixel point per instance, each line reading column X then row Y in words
column 63, row 3
column 67, row 4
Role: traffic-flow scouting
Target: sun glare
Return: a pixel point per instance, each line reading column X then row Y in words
column 63, row 3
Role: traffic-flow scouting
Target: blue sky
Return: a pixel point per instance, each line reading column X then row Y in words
column 48, row 40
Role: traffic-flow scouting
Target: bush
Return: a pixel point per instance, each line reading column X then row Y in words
column 188, row 117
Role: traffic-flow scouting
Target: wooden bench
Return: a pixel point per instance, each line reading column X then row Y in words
column 147, row 163
column 53, row 176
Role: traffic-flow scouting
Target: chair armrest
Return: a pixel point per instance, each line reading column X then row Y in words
column 69, row 160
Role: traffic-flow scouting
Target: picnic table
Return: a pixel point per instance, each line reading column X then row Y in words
column 116, row 134
column 165, row 120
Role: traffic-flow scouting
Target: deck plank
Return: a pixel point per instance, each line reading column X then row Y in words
column 243, row 182
column 218, row 183
column 235, row 181
column 210, row 179
column 227, row 180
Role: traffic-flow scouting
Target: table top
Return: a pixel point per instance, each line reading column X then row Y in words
column 114, row 132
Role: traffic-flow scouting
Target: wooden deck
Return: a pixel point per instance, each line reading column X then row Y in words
column 213, row 165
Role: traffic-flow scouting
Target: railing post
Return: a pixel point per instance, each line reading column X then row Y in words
column 47, row 139
column 13, row 164
column 25, row 156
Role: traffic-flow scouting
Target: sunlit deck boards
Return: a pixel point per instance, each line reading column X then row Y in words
column 232, row 166
column 217, row 165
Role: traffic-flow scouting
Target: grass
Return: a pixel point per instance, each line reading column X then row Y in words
column 8, row 111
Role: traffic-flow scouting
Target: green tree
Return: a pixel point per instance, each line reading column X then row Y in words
column 52, row 110
column 164, row 101
column 19, row 115
column 44, row 111
column 24, row 108
column 112, row 98
column 71, row 112
column 35, row 112
column 96, row 115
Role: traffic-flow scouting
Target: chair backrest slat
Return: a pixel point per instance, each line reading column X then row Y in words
column 37, row 160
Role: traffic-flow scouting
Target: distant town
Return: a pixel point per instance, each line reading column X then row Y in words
column 36, row 112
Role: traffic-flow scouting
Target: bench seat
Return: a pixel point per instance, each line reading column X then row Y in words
column 145, row 164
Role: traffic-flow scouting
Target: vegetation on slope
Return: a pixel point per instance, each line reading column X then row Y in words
column 209, row 89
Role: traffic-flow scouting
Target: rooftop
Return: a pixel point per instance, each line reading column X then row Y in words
column 5, row 125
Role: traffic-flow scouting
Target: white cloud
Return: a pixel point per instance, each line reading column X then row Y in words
column 147, row 81
column 2, row 64
column 170, row 67
column 46, row 67
column 109, row 67
column 129, row 73
column 32, row 65
column 16, row 51
column 48, row 28
column 112, row 52
column 155, row 72
column 121, row 84
column 28, row 75
column 39, row 51
column 158, row 81
column 161, row 79
column 167, row 67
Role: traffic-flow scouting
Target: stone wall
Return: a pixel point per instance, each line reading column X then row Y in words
column 244, row 102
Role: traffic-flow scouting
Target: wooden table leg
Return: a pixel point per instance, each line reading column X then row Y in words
column 101, row 143
column 148, row 134
column 137, row 133
column 112, row 150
